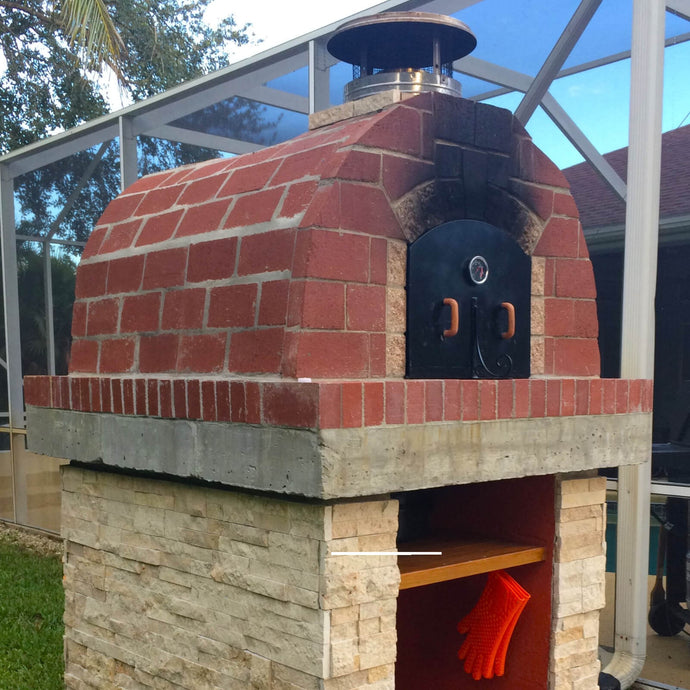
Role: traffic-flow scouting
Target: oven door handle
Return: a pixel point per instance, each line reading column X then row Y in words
column 454, row 318
column 510, row 309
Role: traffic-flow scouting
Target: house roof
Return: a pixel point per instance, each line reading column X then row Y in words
column 600, row 207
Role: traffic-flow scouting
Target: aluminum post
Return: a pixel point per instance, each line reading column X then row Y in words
column 129, row 170
column 48, row 301
column 576, row 26
column 637, row 341
column 319, row 77
column 13, row 346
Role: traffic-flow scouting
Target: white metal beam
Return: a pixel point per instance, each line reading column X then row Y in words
column 48, row 301
column 129, row 164
column 496, row 74
column 278, row 98
column 59, row 146
column 642, row 210
column 164, row 111
column 583, row 145
column 584, row 66
column 680, row 8
column 617, row 57
column 637, row 337
column 72, row 198
column 558, row 55
column 212, row 141
column 319, row 77
column 52, row 240
column 13, row 347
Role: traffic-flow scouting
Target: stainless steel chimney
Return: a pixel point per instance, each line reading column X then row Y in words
column 405, row 51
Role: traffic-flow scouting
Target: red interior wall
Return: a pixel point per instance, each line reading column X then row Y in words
column 428, row 641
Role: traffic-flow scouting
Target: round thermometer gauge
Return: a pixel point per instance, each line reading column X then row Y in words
column 478, row 270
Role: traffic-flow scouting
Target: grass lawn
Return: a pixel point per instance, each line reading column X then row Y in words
column 31, row 608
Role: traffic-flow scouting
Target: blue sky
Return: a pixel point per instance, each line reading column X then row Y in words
column 599, row 104
column 519, row 34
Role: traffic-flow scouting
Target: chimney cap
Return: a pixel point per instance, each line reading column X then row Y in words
column 399, row 40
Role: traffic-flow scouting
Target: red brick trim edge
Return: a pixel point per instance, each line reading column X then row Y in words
column 340, row 404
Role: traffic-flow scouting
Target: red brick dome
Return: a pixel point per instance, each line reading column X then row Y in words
column 290, row 261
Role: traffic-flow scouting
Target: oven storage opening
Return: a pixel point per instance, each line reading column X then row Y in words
column 506, row 525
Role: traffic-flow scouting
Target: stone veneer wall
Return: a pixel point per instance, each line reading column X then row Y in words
column 578, row 583
column 174, row 586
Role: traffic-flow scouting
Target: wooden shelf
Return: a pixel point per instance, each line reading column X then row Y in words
column 461, row 558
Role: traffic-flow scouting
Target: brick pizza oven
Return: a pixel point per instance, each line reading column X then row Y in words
column 240, row 406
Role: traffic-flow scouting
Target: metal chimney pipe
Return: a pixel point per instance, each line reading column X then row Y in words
column 411, row 52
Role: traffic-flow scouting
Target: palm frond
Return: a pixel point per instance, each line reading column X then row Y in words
column 90, row 27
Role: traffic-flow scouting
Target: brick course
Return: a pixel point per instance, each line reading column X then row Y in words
column 435, row 400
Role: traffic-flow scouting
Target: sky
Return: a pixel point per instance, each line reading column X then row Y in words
column 597, row 101
column 278, row 21
column 522, row 33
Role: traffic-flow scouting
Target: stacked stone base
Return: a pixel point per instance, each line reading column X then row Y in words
column 174, row 586
column 578, row 583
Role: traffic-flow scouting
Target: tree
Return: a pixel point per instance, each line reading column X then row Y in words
column 47, row 86
column 49, row 81
column 91, row 29
column 32, row 310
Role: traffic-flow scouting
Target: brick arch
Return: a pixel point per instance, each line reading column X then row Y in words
column 509, row 183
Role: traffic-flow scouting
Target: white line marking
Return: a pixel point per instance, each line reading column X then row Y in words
column 386, row 553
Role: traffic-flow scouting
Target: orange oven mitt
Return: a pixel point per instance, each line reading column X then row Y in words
column 490, row 624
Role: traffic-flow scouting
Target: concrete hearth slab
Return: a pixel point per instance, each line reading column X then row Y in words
column 340, row 463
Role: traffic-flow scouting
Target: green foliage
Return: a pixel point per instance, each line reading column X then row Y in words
column 168, row 42
column 31, row 628
column 42, row 87
column 91, row 29
column 46, row 85
column 32, row 319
